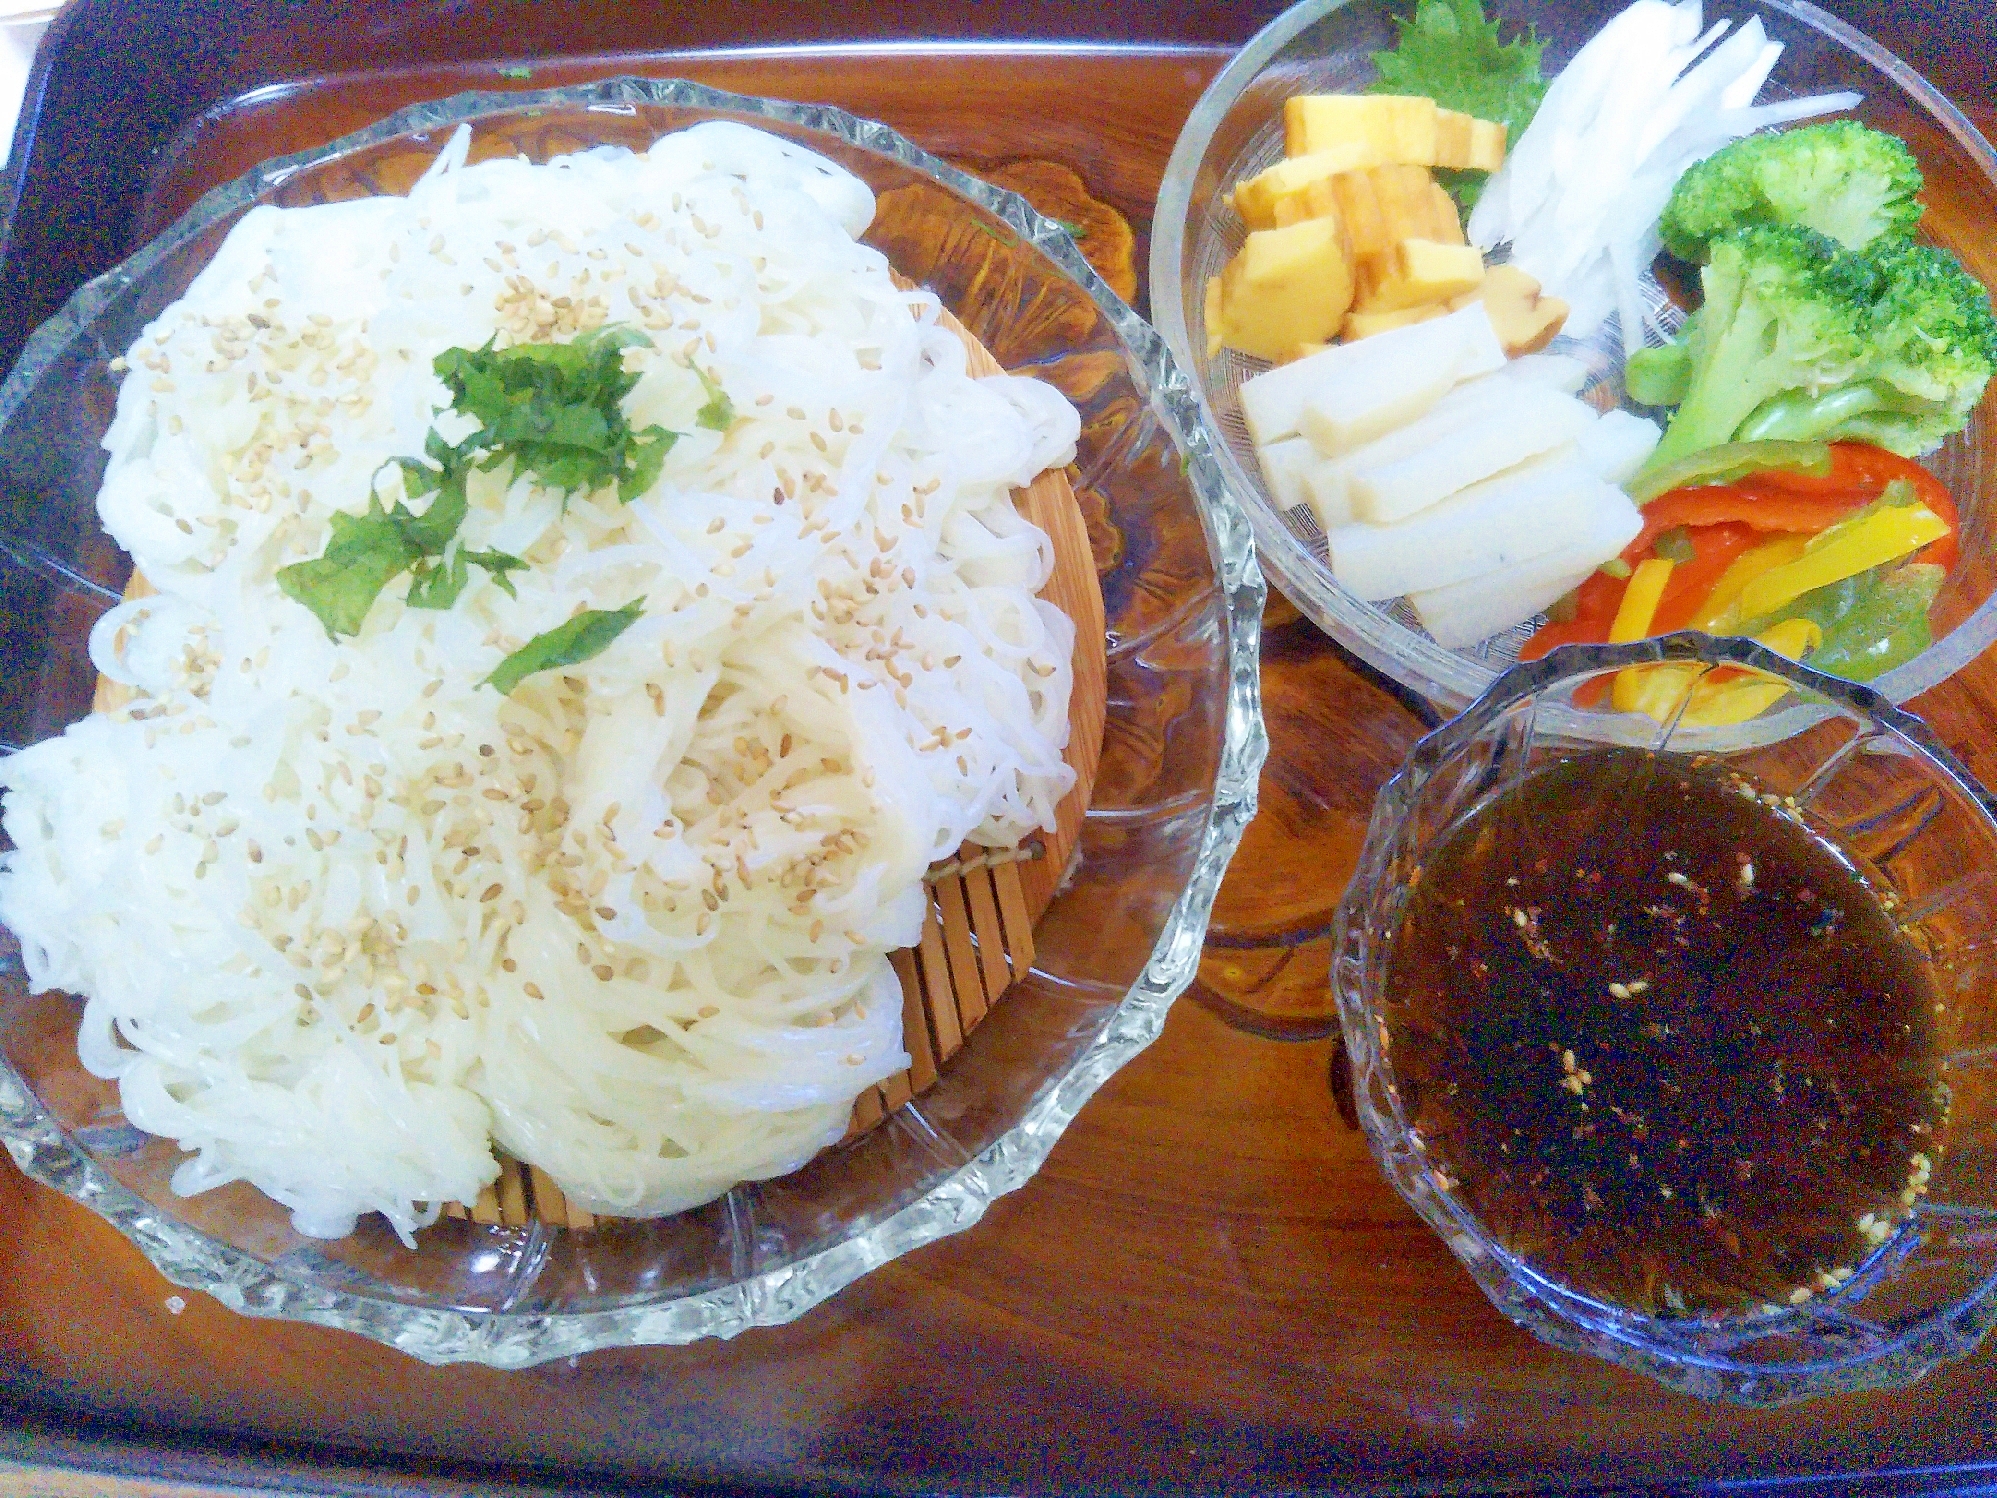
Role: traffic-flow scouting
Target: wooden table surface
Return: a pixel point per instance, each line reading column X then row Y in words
column 1209, row 1284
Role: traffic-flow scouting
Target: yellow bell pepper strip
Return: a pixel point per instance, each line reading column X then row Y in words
column 1654, row 691
column 1721, row 704
column 1720, row 614
column 1716, row 700
column 1630, row 692
column 1639, row 605
column 1884, row 531
column 1792, row 639
column 1859, row 472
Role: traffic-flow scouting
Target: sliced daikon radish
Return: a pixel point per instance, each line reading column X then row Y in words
column 1580, row 191
column 1615, row 446
column 1499, row 523
column 1464, row 343
column 1326, row 492
column 1463, row 613
column 1451, row 454
column 1468, row 402
column 1283, row 465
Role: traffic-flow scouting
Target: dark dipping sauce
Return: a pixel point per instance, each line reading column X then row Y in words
column 1663, row 1040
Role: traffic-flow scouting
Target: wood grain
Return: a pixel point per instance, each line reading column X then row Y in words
column 1208, row 1286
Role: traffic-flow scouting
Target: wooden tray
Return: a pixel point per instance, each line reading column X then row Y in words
column 1207, row 1287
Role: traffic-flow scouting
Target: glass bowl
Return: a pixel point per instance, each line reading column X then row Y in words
column 1324, row 45
column 1181, row 752
column 1866, row 775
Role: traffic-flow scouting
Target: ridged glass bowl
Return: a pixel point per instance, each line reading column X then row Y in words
column 1872, row 780
column 1325, row 46
column 1181, row 752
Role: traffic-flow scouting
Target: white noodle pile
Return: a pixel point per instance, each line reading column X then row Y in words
column 341, row 914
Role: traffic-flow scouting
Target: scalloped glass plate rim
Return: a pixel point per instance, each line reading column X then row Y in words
column 509, row 1339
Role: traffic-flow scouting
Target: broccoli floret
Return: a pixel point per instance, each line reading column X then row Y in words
column 1931, row 348
column 1840, row 178
column 1659, row 376
column 1933, row 337
column 1786, row 309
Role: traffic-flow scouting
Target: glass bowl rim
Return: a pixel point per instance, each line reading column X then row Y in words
column 1449, row 678
column 1562, row 1315
column 1690, row 646
column 510, row 1339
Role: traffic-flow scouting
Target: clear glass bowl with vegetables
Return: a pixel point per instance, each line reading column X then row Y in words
column 1118, row 942
column 1687, row 1055
column 1807, row 462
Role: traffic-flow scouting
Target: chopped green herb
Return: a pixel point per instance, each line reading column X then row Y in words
column 432, row 531
column 515, row 70
column 555, row 409
column 587, row 635
column 719, row 412
column 437, row 584
column 368, row 552
column 1075, row 230
column 1451, row 53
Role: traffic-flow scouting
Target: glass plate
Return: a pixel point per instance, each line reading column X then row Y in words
column 1182, row 749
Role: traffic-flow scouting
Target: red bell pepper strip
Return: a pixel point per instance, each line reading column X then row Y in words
column 1714, row 548
column 1722, row 504
column 1859, row 473
column 1595, row 605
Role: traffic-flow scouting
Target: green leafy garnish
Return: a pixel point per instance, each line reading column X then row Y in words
column 586, row 635
column 368, row 552
column 1451, row 53
column 436, row 585
column 719, row 412
column 555, row 409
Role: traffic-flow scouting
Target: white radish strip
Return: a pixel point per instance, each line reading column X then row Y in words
column 1283, row 466
column 1534, row 421
column 1615, row 447
column 1579, row 198
column 1499, row 523
column 1463, row 613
